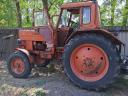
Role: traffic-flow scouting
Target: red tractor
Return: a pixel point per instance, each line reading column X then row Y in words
column 91, row 55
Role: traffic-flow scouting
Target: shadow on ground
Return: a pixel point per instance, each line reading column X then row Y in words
column 43, row 83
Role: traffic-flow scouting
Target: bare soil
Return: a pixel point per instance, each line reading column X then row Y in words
column 43, row 83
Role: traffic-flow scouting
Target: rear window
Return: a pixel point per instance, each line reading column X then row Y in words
column 40, row 19
column 86, row 15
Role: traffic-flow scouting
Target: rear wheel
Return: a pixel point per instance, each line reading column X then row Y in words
column 91, row 61
column 18, row 65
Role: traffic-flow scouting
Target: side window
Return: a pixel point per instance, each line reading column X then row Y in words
column 64, row 18
column 86, row 15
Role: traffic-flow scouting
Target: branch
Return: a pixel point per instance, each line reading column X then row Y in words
column 51, row 5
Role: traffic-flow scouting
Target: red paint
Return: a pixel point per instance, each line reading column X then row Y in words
column 89, row 62
column 17, row 65
column 55, row 39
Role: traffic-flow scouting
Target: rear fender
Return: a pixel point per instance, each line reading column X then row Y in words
column 23, row 51
column 103, row 32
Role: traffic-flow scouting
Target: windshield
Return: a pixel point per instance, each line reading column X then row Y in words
column 69, row 19
column 65, row 18
column 40, row 19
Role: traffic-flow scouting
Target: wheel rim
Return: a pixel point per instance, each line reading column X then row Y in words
column 17, row 65
column 89, row 62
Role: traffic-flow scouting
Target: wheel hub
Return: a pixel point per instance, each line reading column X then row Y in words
column 89, row 62
column 17, row 65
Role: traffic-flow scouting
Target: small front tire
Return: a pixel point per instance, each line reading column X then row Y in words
column 18, row 65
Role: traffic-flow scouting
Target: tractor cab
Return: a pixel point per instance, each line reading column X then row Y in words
column 78, row 16
column 73, row 17
column 83, row 14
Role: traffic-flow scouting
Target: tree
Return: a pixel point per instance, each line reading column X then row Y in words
column 113, row 6
column 18, row 13
column 125, row 14
column 19, row 17
column 111, row 12
column 45, row 5
column 48, row 7
column 7, row 13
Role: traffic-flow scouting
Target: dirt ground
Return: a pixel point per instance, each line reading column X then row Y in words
column 42, row 83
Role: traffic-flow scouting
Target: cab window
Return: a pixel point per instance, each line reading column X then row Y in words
column 86, row 15
column 65, row 18
column 70, row 18
column 40, row 19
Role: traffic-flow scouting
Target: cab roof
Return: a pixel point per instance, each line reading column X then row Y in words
column 76, row 4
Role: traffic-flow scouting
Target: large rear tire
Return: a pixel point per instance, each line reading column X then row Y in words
column 18, row 65
column 91, row 61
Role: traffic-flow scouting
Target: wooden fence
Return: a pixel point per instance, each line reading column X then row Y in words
column 7, row 42
column 8, row 39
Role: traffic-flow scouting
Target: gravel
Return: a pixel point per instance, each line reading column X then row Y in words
column 51, row 84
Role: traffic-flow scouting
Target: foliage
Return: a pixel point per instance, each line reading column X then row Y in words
column 23, row 94
column 40, row 93
column 113, row 12
column 7, row 13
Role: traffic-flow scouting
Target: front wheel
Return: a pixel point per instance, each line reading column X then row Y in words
column 18, row 65
column 91, row 61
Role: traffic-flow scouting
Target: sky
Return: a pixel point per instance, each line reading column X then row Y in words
column 100, row 2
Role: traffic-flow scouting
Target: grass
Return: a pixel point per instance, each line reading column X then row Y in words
column 40, row 93
column 8, row 90
column 36, row 93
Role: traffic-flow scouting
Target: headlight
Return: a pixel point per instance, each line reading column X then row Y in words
column 20, row 42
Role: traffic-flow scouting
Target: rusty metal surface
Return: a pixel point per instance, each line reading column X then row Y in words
column 47, row 32
column 75, row 4
column 122, row 32
column 8, row 39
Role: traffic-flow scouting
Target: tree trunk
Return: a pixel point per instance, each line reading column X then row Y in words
column 50, row 23
column 125, row 14
column 45, row 5
column 19, row 17
column 9, row 13
column 27, row 16
column 113, row 6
